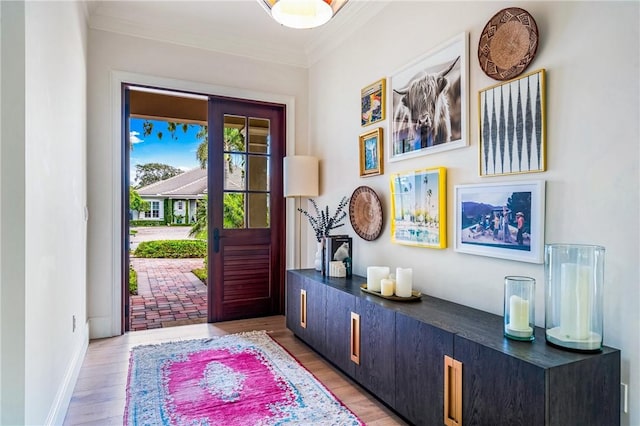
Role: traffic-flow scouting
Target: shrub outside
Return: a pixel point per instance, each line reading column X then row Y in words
column 172, row 249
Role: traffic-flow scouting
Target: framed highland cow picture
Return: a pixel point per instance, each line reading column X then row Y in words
column 429, row 102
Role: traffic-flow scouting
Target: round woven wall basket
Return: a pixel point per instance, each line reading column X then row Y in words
column 508, row 44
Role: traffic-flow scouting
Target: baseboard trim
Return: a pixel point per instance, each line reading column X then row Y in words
column 65, row 391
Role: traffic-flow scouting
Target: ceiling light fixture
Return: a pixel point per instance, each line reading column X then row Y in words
column 302, row 14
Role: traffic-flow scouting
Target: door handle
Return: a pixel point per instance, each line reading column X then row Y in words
column 355, row 338
column 452, row 392
column 216, row 240
column 303, row 308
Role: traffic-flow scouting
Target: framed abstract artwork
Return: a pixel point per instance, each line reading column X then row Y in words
column 513, row 126
column 418, row 208
column 372, row 103
column 371, row 153
column 429, row 106
column 503, row 220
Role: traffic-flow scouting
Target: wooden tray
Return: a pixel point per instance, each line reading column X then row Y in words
column 415, row 295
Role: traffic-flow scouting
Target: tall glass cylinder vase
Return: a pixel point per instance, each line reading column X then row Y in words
column 574, row 276
column 519, row 307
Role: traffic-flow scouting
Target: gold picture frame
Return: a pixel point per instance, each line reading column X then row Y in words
column 373, row 102
column 512, row 126
column 371, row 144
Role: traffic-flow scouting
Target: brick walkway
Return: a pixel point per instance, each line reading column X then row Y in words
column 168, row 294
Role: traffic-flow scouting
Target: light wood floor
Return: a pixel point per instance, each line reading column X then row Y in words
column 99, row 395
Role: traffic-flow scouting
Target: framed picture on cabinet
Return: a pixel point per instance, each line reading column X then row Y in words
column 418, row 208
column 373, row 102
column 513, row 126
column 503, row 220
column 371, row 153
column 429, row 102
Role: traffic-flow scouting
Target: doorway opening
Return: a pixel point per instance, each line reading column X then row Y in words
column 221, row 222
column 167, row 187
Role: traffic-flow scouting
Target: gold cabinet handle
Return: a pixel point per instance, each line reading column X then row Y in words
column 303, row 308
column 355, row 338
column 452, row 392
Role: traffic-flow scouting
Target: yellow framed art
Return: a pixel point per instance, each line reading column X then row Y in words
column 419, row 208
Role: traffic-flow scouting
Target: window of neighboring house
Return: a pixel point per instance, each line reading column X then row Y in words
column 154, row 212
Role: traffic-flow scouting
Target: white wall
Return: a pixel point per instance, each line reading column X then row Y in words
column 12, row 255
column 0, row 215
column 114, row 58
column 45, row 243
column 591, row 52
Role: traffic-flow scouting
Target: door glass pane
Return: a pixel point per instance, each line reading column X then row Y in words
column 234, row 208
column 258, row 173
column 234, row 172
column 259, row 136
column 234, row 133
column 258, row 210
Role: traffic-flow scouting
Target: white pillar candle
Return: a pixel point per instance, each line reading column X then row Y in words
column 404, row 281
column 575, row 304
column 374, row 275
column 387, row 286
column 518, row 313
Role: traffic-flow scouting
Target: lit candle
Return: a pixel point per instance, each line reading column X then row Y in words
column 575, row 302
column 387, row 286
column 375, row 274
column 404, row 281
column 518, row 313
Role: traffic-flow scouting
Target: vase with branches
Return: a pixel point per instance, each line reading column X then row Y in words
column 323, row 223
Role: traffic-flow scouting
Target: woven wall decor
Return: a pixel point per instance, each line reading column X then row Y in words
column 508, row 43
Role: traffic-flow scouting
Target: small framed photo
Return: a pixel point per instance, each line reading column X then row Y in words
column 513, row 126
column 373, row 101
column 371, row 153
column 429, row 102
column 503, row 220
column 418, row 206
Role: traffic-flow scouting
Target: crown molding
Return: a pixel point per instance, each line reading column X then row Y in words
column 351, row 17
column 220, row 44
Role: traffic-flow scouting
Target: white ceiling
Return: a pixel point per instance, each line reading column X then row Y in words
column 239, row 27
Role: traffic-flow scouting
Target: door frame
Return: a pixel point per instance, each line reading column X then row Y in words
column 114, row 326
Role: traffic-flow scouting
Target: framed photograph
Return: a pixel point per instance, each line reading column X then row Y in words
column 372, row 103
column 418, row 207
column 504, row 220
column 429, row 104
column 337, row 248
column 371, row 153
column 513, row 126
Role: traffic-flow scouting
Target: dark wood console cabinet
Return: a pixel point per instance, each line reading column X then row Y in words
column 437, row 362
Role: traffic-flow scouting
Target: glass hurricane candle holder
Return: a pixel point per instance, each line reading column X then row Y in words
column 574, row 276
column 519, row 307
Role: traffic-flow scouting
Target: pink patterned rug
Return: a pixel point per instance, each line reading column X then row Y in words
column 238, row 379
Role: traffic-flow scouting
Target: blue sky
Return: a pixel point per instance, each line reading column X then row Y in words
column 179, row 152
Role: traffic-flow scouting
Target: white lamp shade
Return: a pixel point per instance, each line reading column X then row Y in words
column 300, row 176
column 301, row 13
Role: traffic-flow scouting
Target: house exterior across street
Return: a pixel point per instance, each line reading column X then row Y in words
column 177, row 195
